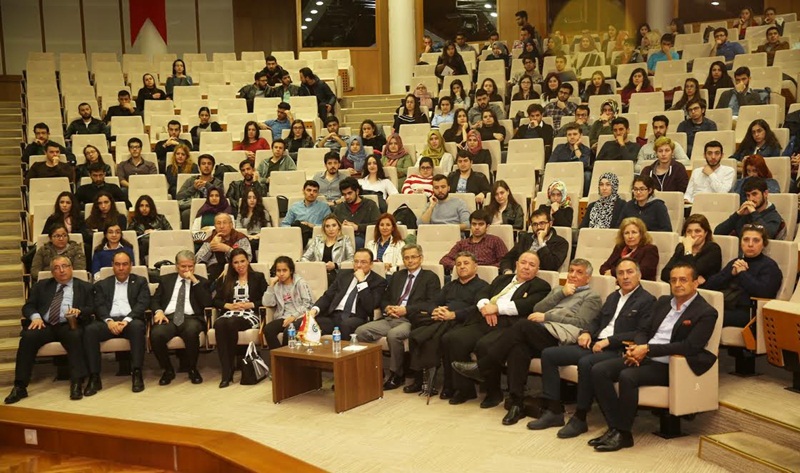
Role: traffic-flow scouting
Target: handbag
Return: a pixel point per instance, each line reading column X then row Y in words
column 254, row 370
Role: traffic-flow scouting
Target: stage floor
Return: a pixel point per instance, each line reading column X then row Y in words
column 400, row 433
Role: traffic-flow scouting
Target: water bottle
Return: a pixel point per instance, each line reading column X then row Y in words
column 337, row 341
column 292, row 334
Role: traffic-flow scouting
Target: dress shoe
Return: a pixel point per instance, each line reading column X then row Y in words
column 616, row 441
column 573, row 428
column 194, row 376
column 601, row 439
column 460, row 397
column 546, row 420
column 76, row 390
column 93, row 385
column 137, row 382
column 393, row 382
column 447, row 393
column 17, row 393
column 468, row 369
column 224, row 383
column 166, row 378
column 415, row 387
column 492, row 400
column 514, row 414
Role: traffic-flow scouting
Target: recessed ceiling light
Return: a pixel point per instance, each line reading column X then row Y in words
column 314, row 12
column 320, row 3
column 308, row 20
column 716, row 4
column 493, row 14
column 487, row 6
column 304, row 27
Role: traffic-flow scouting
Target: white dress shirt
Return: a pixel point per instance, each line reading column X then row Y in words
column 664, row 333
column 187, row 306
column 504, row 304
column 120, row 307
column 609, row 329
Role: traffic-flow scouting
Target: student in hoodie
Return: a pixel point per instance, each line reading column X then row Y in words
column 653, row 212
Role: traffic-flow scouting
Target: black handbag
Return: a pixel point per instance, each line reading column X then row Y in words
column 254, row 370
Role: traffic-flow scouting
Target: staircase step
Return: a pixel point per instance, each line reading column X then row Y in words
column 8, row 216
column 11, row 290
column 8, row 349
column 740, row 451
column 11, row 306
column 10, row 273
column 9, row 328
column 9, row 256
column 7, row 372
column 9, row 189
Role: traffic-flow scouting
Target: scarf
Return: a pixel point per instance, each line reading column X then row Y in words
column 561, row 187
column 233, row 237
column 603, row 209
column 391, row 158
column 477, row 147
column 434, row 153
column 222, row 207
column 359, row 158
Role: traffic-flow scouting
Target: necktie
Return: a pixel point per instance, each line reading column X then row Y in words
column 178, row 317
column 502, row 293
column 54, row 313
column 350, row 302
column 407, row 290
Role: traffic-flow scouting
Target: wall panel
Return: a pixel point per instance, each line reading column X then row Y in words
column 101, row 26
column 216, row 25
column 62, row 25
column 22, row 32
column 264, row 29
column 181, row 26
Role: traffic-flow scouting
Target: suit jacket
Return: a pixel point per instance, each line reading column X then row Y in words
column 42, row 294
column 525, row 297
column 256, row 285
column 199, row 295
column 424, row 290
column 476, row 182
column 551, row 256
column 633, row 316
column 367, row 301
column 138, row 297
column 689, row 335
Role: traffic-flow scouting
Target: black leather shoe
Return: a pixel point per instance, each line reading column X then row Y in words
column 546, row 420
column 447, row 393
column 93, row 385
column 393, row 382
column 413, row 388
column 573, row 428
column 468, row 369
column 514, row 414
column 224, row 383
column 491, row 400
column 194, row 376
column 137, row 382
column 601, row 439
column 166, row 378
column 76, row 390
column 17, row 393
column 616, row 441
column 461, row 398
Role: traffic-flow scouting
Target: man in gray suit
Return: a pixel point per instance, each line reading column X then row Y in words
column 558, row 319
column 119, row 302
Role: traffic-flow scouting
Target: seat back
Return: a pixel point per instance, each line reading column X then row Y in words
column 716, row 207
column 283, row 241
column 674, row 203
column 165, row 244
column 665, row 242
column 596, row 245
column 437, row 240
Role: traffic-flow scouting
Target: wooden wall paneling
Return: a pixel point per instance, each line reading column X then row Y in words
column 635, row 15
column 382, row 23
column 507, row 24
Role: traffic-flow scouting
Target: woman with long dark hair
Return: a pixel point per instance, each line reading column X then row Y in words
column 251, row 141
column 457, row 133
column 698, row 248
column 370, row 136
column 504, row 208
column 92, row 155
column 387, row 243
column 145, row 221
column 290, row 295
column 374, row 178
column 450, row 62
column 552, row 82
column 66, row 211
column 637, row 82
column 717, row 78
column 149, row 91
column 179, row 77
column 252, row 217
column 205, row 125
column 298, row 138
column 238, row 298
column 104, row 213
column 458, row 95
column 409, row 112
column 760, row 139
column 691, row 90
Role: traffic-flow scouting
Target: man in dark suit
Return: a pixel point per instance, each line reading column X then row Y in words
column 119, row 302
column 179, row 310
column 549, row 246
column 350, row 301
column 679, row 325
column 624, row 312
column 47, row 313
column 409, row 292
column 508, row 299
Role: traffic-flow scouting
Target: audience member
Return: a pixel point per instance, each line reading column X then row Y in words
column 503, row 207
column 596, row 86
column 332, row 247
column 759, row 139
column 564, row 73
column 647, row 153
column 205, row 125
column 355, row 211
column 282, row 121
column 637, row 83
column 273, row 70
column 238, row 189
column 92, row 156
column 717, row 78
column 665, row 54
column 475, row 113
column 112, row 242
column 174, row 139
column 181, row 162
column 586, row 55
column 298, row 138
column 574, row 151
column 259, row 88
column 284, row 89
column 251, row 141
column 634, row 242
column 145, row 221
column 396, row 156
column 197, row 187
column 667, row 173
column 691, row 90
column 445, row 115
column 754, row 166
column 421, row 183
column 59, row 244
column 125, row 108
column 86, row 124
column 330, row 178
column 51, row 167
column 135, row 165
column 87, row 192
column 375, row 180
column 697, row 248
column 558, row 205
column 104, row 213
column 606, row 211
column 252, row 216
column 203, row 223
column 386, row 244
column 696, row 122
column 713, row 177
column 473, row 149
column 458, row 131
column 332, row 140
column 488, row 249
column 408, row 113
column 178, row 77
column 459, row 95
column 450, row 63
column 602, row 126
column 216, row 250
column 756, row 210
column 771, row 18
column 279, row 161
column 645, row 206
column 316, row 87
column 66, row 211
column 620, row 148
column 742, row 94
column 548, row 245
column 290, row 296
column 309, row 211
column 434, row 149
column 536, row 127
column 465, row 180
column 371, row 136
column 744, row 21
column 772, row 44
column 354, row 157
column 149, row 91
column 562, row 106
column 442, row 209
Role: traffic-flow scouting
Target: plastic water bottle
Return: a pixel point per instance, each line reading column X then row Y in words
column 292, row 334
column 337, row 341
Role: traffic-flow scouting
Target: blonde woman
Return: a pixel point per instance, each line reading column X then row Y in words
column 332, row 247
column 179, row 163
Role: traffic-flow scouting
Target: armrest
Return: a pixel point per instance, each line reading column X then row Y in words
column 689, row 393
column 758, row 307
column 211, row 317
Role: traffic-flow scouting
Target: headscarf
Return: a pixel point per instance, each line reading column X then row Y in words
column 603, row 209
column 421, row 92
column 561, row 187
column 503, row 49
column 391, row 158
column 222, row 207
column 479, row 146
column 614, row 106
column 434, row 154
column 359, row 158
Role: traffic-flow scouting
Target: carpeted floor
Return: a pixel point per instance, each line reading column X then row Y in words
column 399, row 433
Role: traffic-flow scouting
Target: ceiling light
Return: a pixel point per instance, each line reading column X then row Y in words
column 716, row 4
column 308, row 20
column 314, row 12
column 487, row 6
column 303, row 27
column 493, row 14
column 320, row 3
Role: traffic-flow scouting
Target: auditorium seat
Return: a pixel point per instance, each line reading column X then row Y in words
column 726, row 138
column 284, row 241
column 165, row 244
column 715, row 206
column 596, row 245
column 674, row 203
column 521, row 179
column 437, row 240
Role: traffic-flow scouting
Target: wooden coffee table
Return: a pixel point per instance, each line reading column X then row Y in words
column 357, row 376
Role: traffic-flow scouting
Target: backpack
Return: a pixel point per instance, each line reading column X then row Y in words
column 405, row 216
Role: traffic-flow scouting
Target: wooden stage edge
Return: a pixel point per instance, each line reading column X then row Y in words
column 147, row 444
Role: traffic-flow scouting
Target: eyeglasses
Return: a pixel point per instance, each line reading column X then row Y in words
column 540, row 224
column 411, row 257
column 694, row 109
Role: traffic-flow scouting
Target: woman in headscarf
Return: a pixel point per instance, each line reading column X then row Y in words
column 434, row 149
column 558, row 204
column 423, row 95
column 215, row 203
column 355, row 156
column 396, row 156
column 219, row 244
column 474, row 149
column 606, row 211
column 602, row 126
column 587, row 54
column 499, row 53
